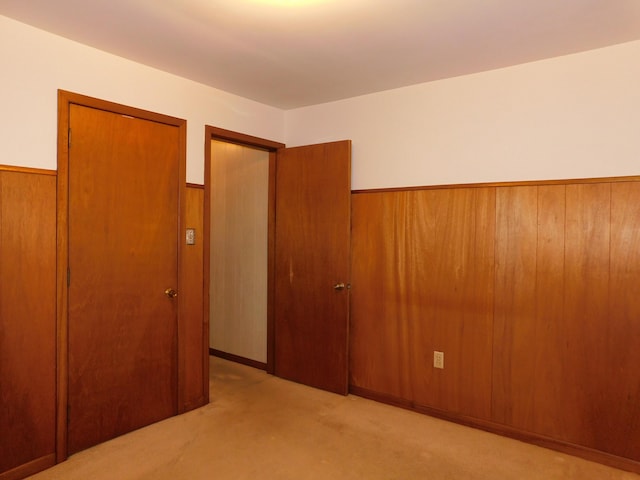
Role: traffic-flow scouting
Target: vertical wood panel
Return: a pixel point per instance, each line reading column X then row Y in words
column 619, row 413
column 586, row 306
column 379, row 358
column 550, row 413
column 27, row 318
column 451, row 260
column 480, row 291
column 565, row 332
column 515, row 306
column 529, row 371
column 423, row 281
column 193, row 323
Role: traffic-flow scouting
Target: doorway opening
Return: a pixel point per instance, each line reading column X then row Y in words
column 239, row 216
column 308, row 229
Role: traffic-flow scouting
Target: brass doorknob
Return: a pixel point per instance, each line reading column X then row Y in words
column 171, row 293
column 339, row 286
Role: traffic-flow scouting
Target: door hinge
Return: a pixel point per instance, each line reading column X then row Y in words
column 69, row 139
column 68, row 277
column 68, row 414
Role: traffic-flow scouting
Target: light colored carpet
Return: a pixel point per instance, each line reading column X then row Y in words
column 262, row 427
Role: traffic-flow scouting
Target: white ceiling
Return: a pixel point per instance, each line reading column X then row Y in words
column 292, row 53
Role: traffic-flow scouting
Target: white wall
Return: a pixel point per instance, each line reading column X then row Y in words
column 569, row 117
column 239, row 254
column 34, row 64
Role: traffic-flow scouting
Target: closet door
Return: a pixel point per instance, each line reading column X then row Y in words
column 123, row 274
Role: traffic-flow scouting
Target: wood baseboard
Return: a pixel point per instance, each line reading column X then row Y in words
column 586, row 453
column 200, row 402
column 238, row 359
column 34, row 466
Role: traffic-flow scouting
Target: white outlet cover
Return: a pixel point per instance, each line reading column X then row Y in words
column 438, row 359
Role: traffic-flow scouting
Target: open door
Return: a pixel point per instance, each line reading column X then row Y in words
column 313, row 224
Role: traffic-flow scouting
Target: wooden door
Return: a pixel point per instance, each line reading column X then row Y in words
column 123, row 255
column 311, row 307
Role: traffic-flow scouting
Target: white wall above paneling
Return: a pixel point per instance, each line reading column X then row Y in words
column 574, row 116
column 567, row 117
column 35, row 64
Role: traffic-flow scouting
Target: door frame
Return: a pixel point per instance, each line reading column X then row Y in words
column 65, row 100
column 215, row 133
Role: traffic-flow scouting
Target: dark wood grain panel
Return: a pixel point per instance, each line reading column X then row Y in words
column 528, row 371
column 586, row 310
column 515, row 305
column 549, row 413
column 379, row 329
column 423, row 281
column 565, row 329
column 451, row 260
column 27, row 319
column 618, row 426
column 477, row 342
column 193, row 336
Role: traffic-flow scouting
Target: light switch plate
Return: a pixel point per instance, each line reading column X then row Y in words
column 191, row 236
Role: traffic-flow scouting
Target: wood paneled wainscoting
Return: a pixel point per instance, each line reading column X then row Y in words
column 194, row 378
column 27, row 321
column 530, row 290
column 28, row 343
